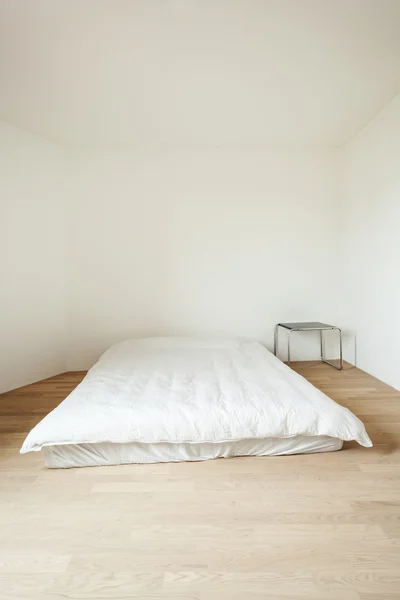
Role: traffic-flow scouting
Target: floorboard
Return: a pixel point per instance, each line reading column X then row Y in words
column 321, row 526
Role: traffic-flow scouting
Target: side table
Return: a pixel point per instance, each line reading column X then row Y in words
column 310, row 326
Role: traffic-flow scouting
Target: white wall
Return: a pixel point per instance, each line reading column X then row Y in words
column 195, row 241
column 220, row 242
column 32, row 258
column 372, row 243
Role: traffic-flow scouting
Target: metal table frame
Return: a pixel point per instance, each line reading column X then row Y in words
column 321, row 328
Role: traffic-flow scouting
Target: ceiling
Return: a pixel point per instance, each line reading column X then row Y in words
column 197, row 72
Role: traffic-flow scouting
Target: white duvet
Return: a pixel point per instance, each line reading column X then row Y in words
column 192, row 390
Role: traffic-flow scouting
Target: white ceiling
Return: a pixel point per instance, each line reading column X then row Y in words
column 197, row 72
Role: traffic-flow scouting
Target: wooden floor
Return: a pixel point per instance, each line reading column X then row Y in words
column 323, row 526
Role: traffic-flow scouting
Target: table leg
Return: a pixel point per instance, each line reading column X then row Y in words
column 288, row 347
column 328, row 362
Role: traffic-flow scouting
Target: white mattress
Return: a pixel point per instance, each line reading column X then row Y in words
column 191, row 391
column 106, row 453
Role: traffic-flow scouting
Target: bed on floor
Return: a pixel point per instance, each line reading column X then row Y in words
column 188, row 399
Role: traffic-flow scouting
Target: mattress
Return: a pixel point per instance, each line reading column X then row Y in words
column 106, row 453
column 189, row 398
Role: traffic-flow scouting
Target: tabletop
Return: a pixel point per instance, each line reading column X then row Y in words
column 303, row 326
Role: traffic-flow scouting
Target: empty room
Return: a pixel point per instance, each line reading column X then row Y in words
column 199, row 299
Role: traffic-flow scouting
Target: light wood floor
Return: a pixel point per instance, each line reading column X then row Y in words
column 316, row 527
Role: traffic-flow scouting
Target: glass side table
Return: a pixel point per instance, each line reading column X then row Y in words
column 310, row 326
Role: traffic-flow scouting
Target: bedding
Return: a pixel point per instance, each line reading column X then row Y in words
column 105, row 453
column 192, row 391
